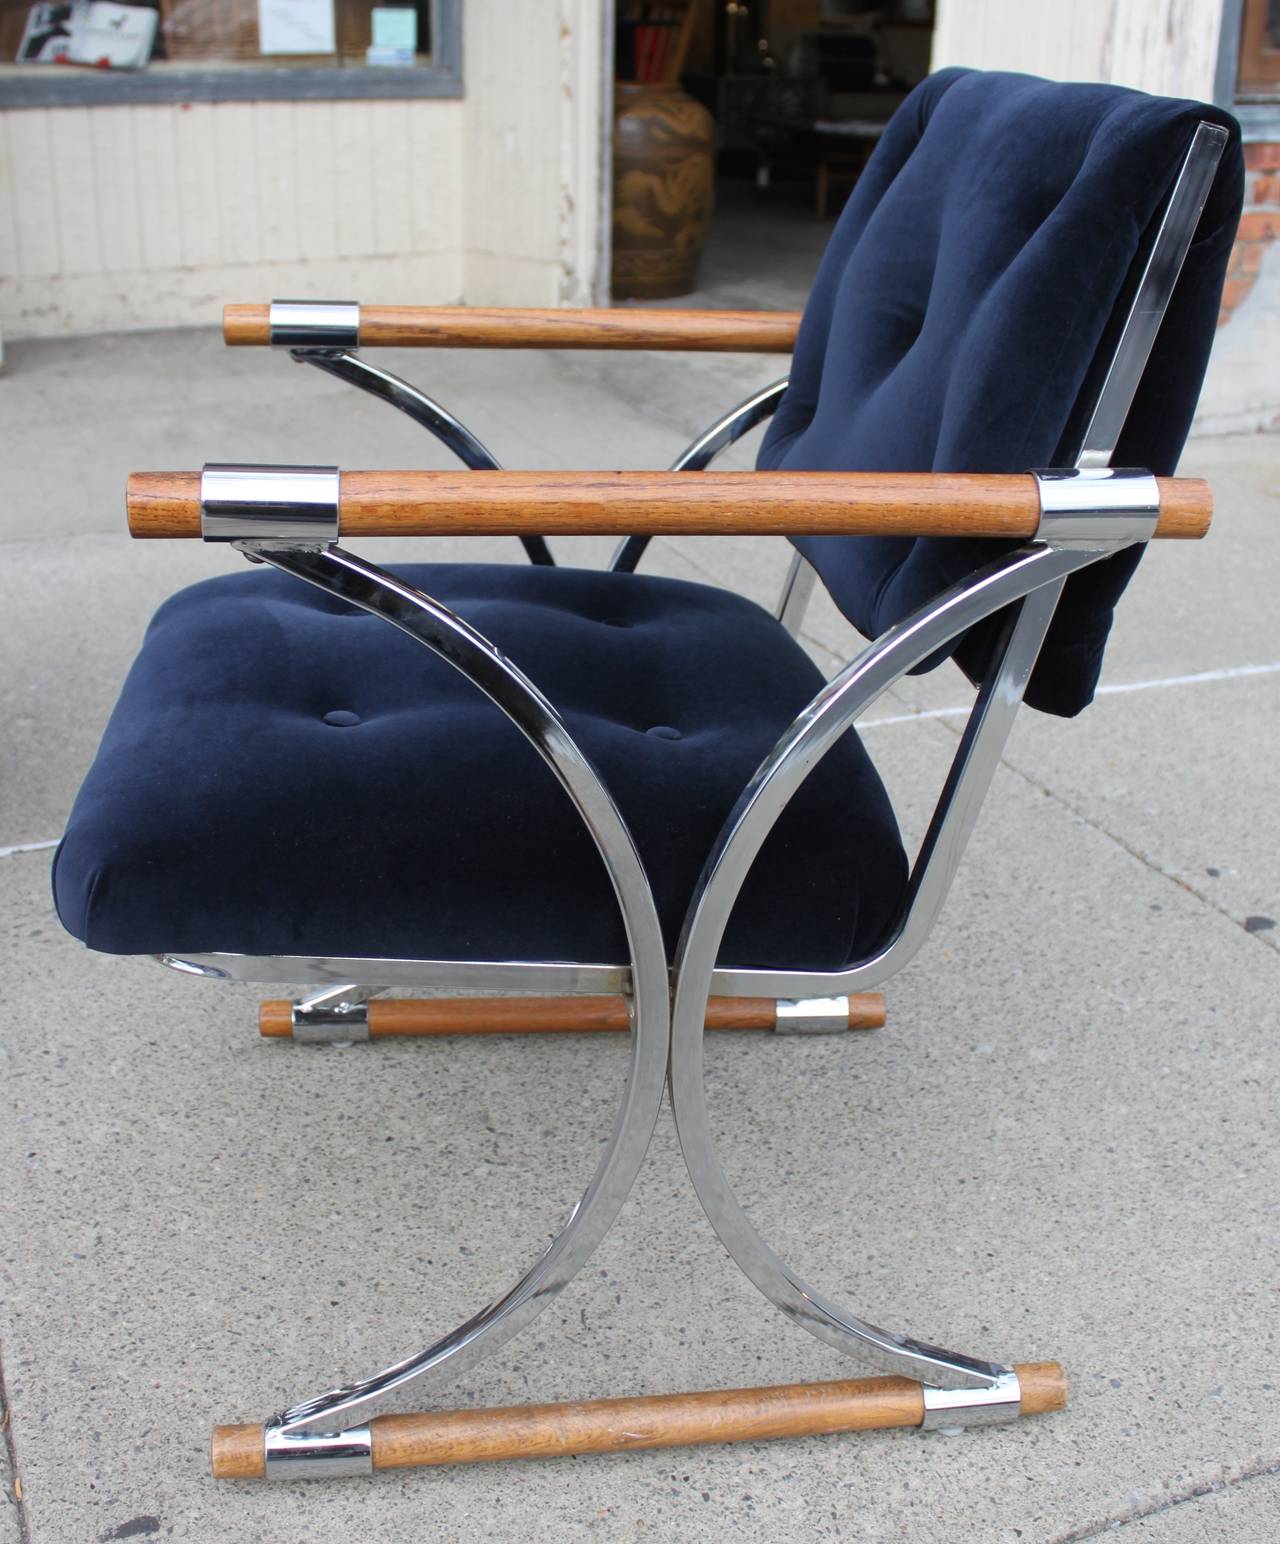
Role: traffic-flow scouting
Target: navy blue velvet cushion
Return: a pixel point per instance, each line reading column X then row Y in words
column 963, row 315
column 285, row 774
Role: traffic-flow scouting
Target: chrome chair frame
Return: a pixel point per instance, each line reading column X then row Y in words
column 1088, row 512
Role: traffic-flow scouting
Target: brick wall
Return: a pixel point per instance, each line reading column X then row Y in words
column 1259, row 224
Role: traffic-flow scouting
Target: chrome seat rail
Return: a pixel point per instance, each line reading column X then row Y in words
column 554, row 978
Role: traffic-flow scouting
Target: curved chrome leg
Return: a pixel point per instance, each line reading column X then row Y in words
column 437, row 420
column 342, row 574
column 1038, row 570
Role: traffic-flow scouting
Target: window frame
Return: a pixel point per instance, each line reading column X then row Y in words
column 32, row 85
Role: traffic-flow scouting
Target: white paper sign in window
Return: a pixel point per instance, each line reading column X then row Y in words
column 296, row 27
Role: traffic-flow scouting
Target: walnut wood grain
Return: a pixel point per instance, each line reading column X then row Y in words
column 466, row 503
column 237, row 1453
column 622, row 1425
column 392, row 1016
column 731, row 332
column 1044, row 1387
column 662, row 1420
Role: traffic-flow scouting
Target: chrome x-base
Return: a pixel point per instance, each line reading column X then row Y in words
column 1028, row 581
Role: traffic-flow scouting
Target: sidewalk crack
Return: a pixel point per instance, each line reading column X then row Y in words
column 1261, row 935
column 1262, row 1469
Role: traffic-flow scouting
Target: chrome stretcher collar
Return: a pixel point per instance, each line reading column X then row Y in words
column 1096, row 507
column 323, row 1455
column 336, row 1016
column 314, row 324
column 1001, row 1401
column 810, row 1015
column 293, row 505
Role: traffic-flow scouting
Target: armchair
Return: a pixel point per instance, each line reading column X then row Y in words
column 1026, row 276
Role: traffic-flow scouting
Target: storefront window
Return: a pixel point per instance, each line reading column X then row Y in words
column 226, row 50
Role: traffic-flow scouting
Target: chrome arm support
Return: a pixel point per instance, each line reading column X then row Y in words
column 341, row 574
column 726, row 431
column 389, row 388
column 698, row 456
column 415, row 404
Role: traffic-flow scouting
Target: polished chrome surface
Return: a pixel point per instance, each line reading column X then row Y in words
column 321, row 1455
column 991, row 1406
column 856, row 688
column 1032, row 576
column 342, row 574
column 293, row 504
column 1181, row 216
column 797, row 589
column 314, row 323
column 443, row 978
column 424, row 410
column 698, row 456
column 416, row 404
column 969, row 776
column 199, row 966
column 810, row 1015
column 726, row 431
column 336, row 1016
column 1085, row 514
column 1097, row 506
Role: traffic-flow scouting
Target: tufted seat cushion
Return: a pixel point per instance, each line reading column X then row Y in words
column 285, row 774
column 964, row 314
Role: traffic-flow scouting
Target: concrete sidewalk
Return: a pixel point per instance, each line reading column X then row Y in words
column 1063, row 1145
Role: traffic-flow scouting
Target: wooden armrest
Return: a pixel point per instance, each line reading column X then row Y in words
column 465, row 503
column 739, row 332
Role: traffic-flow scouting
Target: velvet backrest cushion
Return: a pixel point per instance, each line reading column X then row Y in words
column 963, row 315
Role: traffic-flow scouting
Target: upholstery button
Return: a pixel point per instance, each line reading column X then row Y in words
column 663, row 732
column 341, row 718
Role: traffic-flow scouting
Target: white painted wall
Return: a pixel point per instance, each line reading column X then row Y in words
column 537, row 161
column 153, row 216
column 1165, row 46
